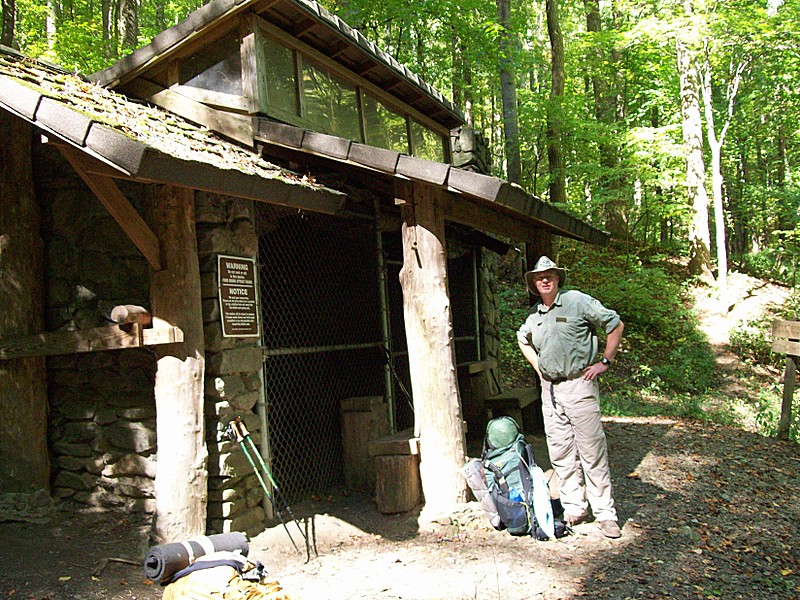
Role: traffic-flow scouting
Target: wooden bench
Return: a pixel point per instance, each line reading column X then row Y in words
column 524, row 405
column 398, row 487
column 786, row 340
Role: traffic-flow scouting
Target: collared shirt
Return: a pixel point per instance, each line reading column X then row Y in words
column 564, row 334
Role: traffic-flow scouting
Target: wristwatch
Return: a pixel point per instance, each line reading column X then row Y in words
column 606, row 361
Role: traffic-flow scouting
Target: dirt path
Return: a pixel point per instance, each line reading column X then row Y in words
column 745, row 299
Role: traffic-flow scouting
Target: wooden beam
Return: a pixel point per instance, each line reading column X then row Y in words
column 229, row 102
column 786, row 337
column 115, row 202
column 111, row 337
column 431, row 352
column 464, row 210
column 159, row 335
column 24, row 457
column 786, row 340
column 175, row 296
column 786, row 329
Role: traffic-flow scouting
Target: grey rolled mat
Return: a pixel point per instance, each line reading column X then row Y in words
column 163, row 561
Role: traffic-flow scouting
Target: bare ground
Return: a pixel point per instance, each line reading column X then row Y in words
column 708, row 512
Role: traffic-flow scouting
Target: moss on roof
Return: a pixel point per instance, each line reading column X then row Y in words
column 149, row 125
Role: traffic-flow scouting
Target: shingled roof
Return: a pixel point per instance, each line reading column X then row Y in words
column 488, row 192
column 144, row 142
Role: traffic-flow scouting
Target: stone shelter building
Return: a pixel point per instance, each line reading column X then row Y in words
column 260, row 215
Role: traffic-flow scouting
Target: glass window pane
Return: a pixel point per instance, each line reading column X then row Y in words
column 217, row 68
column 426, row 143
column 330, row 105
column 277, row 77
column 384, row 128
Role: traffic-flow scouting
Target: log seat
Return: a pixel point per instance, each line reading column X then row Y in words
column 398, row 487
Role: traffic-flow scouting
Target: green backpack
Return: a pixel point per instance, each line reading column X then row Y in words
column 516, row 483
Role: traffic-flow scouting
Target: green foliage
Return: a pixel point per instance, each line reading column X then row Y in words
column 663, row 350
column 619, row 117
column 752, row 340
column 779, row 261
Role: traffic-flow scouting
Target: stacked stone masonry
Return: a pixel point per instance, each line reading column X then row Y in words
column 233, row 370
column 102, row 409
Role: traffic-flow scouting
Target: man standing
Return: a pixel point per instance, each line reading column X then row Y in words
column 558, row 339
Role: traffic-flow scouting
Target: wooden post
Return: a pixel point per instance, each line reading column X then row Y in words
column 789, row 378
column 786, row 340
column 24, row 459
column 431, row 352
column 181, row 472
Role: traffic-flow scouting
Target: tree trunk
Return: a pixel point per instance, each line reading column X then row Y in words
column 9, row 20
column 508, row 93
column 129, row 24
column 24, row 459
column 716, row 176
column 462, row 78
column 699, row 236
column 51, row 22
column 541, row 245
column 160, row 17
column 606, row 113
column 716, row 142
column 431, row 353
column 181, row 472
column 558, row 186
column 107, row 19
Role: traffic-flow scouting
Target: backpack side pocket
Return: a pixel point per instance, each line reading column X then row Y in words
column 514, row 515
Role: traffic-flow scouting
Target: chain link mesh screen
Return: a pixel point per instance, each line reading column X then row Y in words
column 322, row 340
column 323, row 336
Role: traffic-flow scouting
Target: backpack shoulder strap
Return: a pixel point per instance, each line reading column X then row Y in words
column 499, row 478
column 528, row 456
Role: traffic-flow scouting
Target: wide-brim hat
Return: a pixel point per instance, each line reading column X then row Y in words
column 544, row 264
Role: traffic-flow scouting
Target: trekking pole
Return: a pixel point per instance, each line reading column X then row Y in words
column 278, row 493
column 236, row 436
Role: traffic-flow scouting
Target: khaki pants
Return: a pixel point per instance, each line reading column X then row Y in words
column 577, row 447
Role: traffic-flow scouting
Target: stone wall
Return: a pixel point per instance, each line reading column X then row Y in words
column 470, row 150
column 102, row 410
column 233, row 370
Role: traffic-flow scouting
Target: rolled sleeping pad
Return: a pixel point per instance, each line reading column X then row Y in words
column 164, row 560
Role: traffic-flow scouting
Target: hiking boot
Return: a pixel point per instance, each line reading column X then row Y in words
column 610, row 529
column 573, row 520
